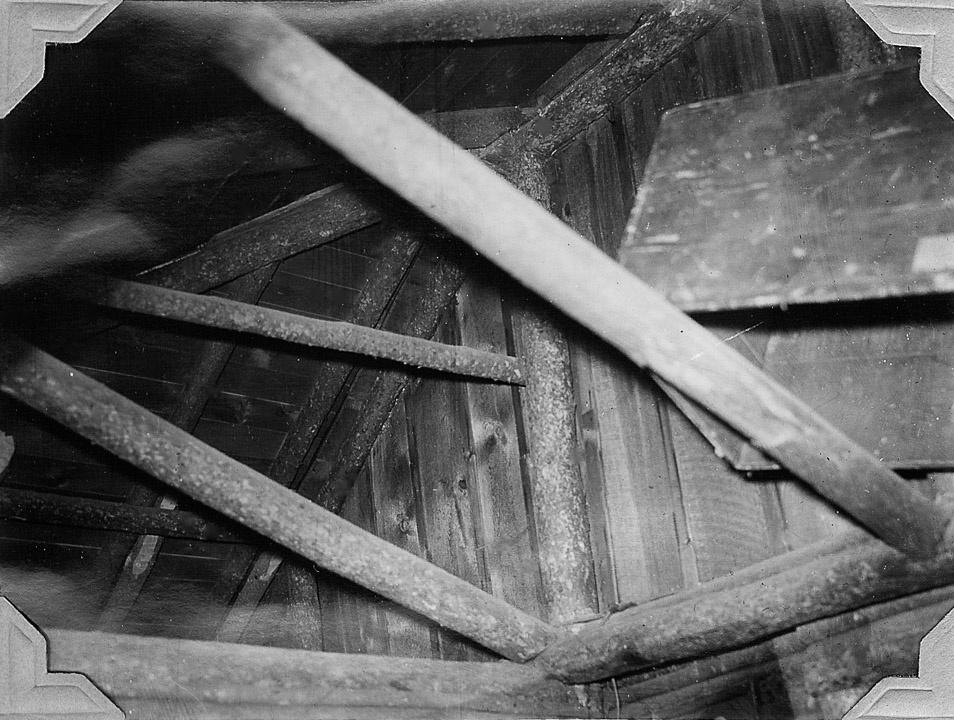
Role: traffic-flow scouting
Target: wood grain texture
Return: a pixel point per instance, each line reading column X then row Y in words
column 826, row 179
column 397, row 518
column 503, row 522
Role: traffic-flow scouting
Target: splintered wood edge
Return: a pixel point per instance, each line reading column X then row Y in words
column 915, row 24
column 28, row 27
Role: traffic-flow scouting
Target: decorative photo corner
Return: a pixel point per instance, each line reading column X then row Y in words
column 927, row 24
column 28, row 26
column 929, row 695
column 29, row 690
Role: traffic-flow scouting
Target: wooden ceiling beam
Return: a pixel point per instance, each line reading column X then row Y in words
column 379, row 22
column 663, row 31
column 209, row 476
column 224, row 314
column 162, row 678
column 49, row 509
column 293, row 73
column 806, row 585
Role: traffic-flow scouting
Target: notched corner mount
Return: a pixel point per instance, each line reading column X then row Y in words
column 918, row 23
column 26, row 26
column 28, row 689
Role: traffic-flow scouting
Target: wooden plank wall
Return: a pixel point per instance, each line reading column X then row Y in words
column 666, row 512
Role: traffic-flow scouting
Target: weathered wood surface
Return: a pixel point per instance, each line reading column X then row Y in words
column 820, row 191
column 396, row 21
column 467, row 197
column 662, row 33
column 502, row 515
column 46, row 508
column 262, row 505
column 160, row 678
column 317, row 218
column 225, row 314
column 866, row 645
column 762, row 600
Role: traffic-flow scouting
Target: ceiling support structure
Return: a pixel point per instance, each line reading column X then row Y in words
column 50, row 509
column 251, row 570
column 225, row 314
column 774, row 596
column 418, row 21
column 127, row 430
column 293, row 73
column 127, row 565
column 547, row 411
column 163, row 678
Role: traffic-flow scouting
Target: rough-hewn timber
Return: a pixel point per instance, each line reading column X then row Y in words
column 395, row 21
column 815, row 582
column 46, row 508
column 159, row 678
column 456, row 189
column 225, row 314
column 255, row 501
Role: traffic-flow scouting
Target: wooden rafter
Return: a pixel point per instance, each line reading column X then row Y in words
column 387, row 387
column 291, row 72
column 253, row 570
column 396, row 21
column 128, row 566
column 159, row 677
column 225, row 314
column 763, row 600
column 663, row 32
column 248, row 497
column 50, row 509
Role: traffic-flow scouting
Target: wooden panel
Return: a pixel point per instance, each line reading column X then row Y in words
column 397, row 519
column 807, row 193
column 440, row 458
column 503, row 525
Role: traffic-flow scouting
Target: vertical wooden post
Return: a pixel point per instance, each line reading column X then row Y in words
column 549, row 435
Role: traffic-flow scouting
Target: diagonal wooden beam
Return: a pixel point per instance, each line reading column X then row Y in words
column 335, row 486
column 128, row 566
column 307, row 223
column 49, row 509
column 378, row 22
column 291, row 72
column 251, row 570
column 225, row 314
column 816, row 582
column 151, row 677
column 662, row 32
column 180, row 460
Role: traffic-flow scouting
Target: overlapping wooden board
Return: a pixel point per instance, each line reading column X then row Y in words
column 833, row 189
column 830, row 190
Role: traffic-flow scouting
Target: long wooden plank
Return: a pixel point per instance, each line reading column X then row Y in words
column 818, row 581
column 315, row 219
column 225, row 314
column 255, row 501
column 164, row 678
column 47, row 508
column 457, row 190
column 399, row 21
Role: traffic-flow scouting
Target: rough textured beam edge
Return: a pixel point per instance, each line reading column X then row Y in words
column 377, row 22
column 815, row 582
column 454, row 188
column 262, row 505
column 219, row 680
column 225, row 314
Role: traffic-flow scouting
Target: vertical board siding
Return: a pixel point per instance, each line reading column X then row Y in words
column 398, row 519
column 503, row 523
